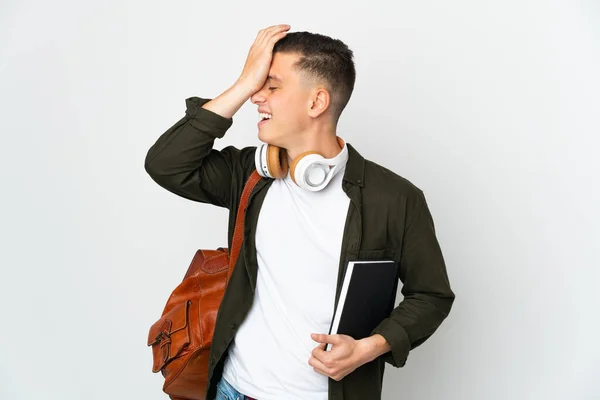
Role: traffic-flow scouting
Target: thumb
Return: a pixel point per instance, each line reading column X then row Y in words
column 319, row 337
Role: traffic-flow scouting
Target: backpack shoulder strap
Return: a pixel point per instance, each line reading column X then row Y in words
column 238, row 232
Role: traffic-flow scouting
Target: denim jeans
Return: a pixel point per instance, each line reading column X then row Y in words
column 227, row 392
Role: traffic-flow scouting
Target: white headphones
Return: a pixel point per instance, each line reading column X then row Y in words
column 309, row 170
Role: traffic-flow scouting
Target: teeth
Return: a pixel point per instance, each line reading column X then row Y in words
column 265, row 115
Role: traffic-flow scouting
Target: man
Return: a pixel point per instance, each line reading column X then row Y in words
column 270, row 334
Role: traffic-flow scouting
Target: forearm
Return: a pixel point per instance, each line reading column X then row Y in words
column 412, row 323
column 183, row 146
column 428, row 297
column 183, row 160
column 230, row 101
column 186, row 143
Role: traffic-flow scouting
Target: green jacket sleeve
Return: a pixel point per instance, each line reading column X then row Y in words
column 426, row 288
column 184, row 162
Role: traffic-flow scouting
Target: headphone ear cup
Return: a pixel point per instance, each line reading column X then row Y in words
column 295, row 164
column 277, row 161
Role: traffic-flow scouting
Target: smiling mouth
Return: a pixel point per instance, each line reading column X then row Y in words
column 264, row 119
column 265, row 116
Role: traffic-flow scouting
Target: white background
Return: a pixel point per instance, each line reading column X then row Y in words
column 492, row 108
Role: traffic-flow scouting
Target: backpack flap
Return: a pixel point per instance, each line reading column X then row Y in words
column 170, row 335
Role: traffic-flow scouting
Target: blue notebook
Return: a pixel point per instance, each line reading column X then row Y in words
column 367, row 297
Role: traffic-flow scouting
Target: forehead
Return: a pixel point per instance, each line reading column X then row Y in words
column 282, row 66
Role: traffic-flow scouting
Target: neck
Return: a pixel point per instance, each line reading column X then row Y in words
column 323, row 141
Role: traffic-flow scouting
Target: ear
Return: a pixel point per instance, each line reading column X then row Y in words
column 319, row 102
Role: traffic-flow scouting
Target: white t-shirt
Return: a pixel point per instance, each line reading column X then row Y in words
column 298, row 244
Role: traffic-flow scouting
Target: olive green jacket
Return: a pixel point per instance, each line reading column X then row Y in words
column 388, row 218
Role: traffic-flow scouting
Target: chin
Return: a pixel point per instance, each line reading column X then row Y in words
column 265, row 137
column 262, row 136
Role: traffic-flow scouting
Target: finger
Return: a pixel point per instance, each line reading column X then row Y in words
column 323, row 338
column 319, row 352
column 318, row 366
column 261, row 35
column 269, row 44
column 272, row 31
column 319, row 337
column 275, row 38
column 276, row 28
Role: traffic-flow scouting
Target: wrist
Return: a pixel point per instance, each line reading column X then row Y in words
column 244, row 87
column 374, row 346
column 230, row 101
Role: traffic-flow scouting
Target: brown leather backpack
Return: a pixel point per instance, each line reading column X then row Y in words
column 182, row 337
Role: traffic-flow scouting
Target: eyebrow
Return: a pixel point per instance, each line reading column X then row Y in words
column 274, row 78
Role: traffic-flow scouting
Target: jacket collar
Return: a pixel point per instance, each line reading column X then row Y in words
column 355, row 167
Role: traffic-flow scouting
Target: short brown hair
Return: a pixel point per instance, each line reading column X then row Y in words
column 323, row 58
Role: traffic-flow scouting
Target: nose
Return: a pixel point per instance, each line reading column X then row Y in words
column 259, row 97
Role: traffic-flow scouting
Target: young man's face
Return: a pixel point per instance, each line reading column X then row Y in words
column 286, row 96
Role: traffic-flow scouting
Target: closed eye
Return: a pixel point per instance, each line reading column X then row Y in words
column 272, row 88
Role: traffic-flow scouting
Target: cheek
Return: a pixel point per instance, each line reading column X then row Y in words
column 289, row 110
column 296, row 109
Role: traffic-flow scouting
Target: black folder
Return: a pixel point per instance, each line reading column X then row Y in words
column 367, row 297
